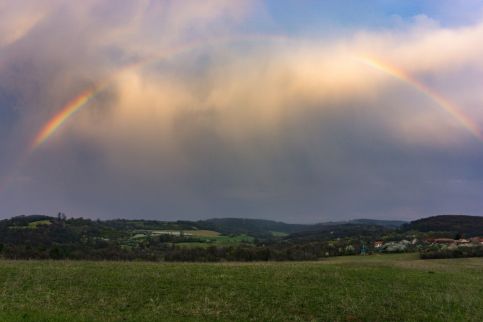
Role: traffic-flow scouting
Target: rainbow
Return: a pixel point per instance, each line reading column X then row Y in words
column 66, row 111
column 440, row 100
column 75, row 104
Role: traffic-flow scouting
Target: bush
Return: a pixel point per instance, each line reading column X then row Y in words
column 459, row 252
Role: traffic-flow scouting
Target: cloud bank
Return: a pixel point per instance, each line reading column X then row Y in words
column 200, row 118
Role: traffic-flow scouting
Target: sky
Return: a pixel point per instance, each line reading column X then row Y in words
column 300, row 111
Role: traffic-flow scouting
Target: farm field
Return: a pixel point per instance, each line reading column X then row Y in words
column 218, row 241
column 371, row 288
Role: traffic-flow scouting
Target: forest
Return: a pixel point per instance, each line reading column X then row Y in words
column 226, row 239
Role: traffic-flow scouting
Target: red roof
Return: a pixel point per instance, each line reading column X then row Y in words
column 444, row 240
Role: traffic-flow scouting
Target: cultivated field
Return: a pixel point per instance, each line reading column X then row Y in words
column 372, row 288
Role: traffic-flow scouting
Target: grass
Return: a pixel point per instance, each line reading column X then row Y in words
column 194, row 232
column 372, row 288
column 202, row 233
column 278, row 234
column 35, row 224
column 220, row 240
column 32, row 225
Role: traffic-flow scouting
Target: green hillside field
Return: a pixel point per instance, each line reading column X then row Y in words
column 356, row 288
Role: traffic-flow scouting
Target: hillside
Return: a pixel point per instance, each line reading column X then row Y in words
column 264, row 228
column 253, row 227
column 325, row 232
column 468, row 226
column 230, row 239
column 378, row 222
column 260, row 228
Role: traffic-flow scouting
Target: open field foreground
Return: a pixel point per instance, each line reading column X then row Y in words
column 372, row 288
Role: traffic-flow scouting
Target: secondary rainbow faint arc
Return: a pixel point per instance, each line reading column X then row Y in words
column 75, row 104
column 440, row 100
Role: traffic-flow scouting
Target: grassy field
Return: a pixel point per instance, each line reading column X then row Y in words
column 194, row 233
column 219, row 241
column 372, row 288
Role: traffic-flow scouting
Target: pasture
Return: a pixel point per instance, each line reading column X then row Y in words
column 219, row 240
column 371, row 288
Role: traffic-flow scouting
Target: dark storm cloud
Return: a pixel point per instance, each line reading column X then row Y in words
column 285, row 129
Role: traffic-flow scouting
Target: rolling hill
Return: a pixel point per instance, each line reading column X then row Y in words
column 468, row 226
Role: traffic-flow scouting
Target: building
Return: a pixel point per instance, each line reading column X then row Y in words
column 378, row 244
column 446, row 241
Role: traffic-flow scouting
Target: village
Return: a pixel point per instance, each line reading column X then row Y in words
column 429, row 243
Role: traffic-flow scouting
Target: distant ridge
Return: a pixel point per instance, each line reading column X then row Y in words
column 234, row 226
column 463, row 224
column 266, row 227
column 249, row 226
column 379, row 222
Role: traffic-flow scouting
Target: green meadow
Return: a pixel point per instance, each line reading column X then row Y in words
column 371, row 288
column 219, row 240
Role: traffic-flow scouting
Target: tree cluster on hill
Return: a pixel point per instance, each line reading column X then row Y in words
column 334, row 231
column 467, row 226
column 43, row 237
column 61, row 238
column 459, row 252
column 253, row 227
column 284, row 251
